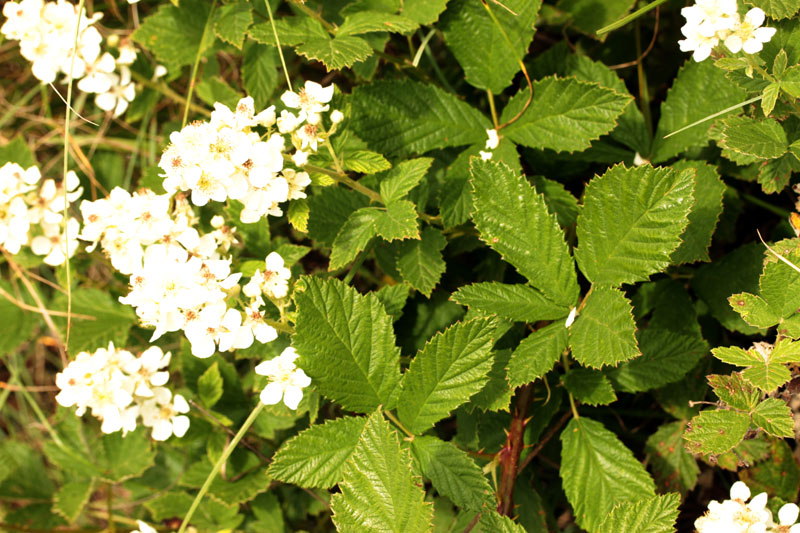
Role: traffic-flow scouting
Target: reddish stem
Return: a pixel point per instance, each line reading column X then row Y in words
column 509, row 453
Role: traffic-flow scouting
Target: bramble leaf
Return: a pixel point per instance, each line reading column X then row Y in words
column 604, row 333
column 774, row 416
column 674, row 468
column 420, row 261
column 517, row 302
column 716, row 431
column 537, row 353
column 654, row 514
column 589, row 386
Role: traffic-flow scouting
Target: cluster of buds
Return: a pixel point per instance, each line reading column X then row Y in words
column 32, row 214
column 118, row 388
column 710, row 22
column 47, row 31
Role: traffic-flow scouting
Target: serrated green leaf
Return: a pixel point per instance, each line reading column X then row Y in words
column 259, row 74
column 706, row 210
column 209, row 386
column 174, row 34
column 423, row 11
column 453, row 473
column 371, row 21
column 774, row 176
column 232, row 23
column 593, row 486
column 560, row 201
column 496, row 394
column 716, row 431
column 735, row 391
column 604, row 333
column 212, row 90
column 754, row 310
column 699, row 90
column 565, row 115
column 241, row 490
column 366, row 162
column 513, row 219
column 316, row 457
column 398, row 221
column 379, row 491
column 655, row 514
column 336, row 53
column 404, row 177
column 420, row 261
column 112, row 320
column 346, row 345
column 769, row 96
column 491, row 522
column 790, row 82
column 71, row 498
column 777, row 9
column 631, row 223
column 354, row 236
column 674, row 468
column 667, row 356
column 764, row 139
column 329, row 209
column 774, row 416
column 537, row 353
column 780, row 476
column 494, row 64
column 291, row 31
column 17, row 151
column 765, row 366
column 211, row 515
column 399, row 118
column 125, row 457
column 451, row 367
column 589, row 386
column 518, row 302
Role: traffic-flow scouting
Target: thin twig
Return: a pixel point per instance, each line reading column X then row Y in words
column 541, row 444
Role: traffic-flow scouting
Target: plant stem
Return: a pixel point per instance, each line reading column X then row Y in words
column 347, row 180
column 218, row 466
column 492, row 108
column 357, row 264
column 783, row 213
column 397, row 423
column 510, row 452
column 278, row 44
column 197, row 57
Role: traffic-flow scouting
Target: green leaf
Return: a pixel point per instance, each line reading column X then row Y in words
column 379, row 491
column 769, row 96
column 735, row 391
column 716, row 431
column 336, row 53
column 398, row 222
column 774, row 176
column 790, row 82
column 126, row 457
column 592, row 487
column 560, row 201
column 111, row 320
column 401, row 179
column 589, row 386
column 565, row 115
column 774, row 416
column 537, row 353
column 764, row 139
column 211, row 515
column 451, row 367
column 673, row 467
column 754, row 310
column 399, row 118
column 174, row 34
column 354, row 236
column 631, row 223
column 371, row 21
column 17, row 326
column 604, row 333
column 655, row 514
column 699, row 90
column 589, row 17
column 291, row 31
column 513, row 219
column 365, row 162
column 497, row 393
column 667, row 356
column 765, row 367
column 241, row 490
column 453, row 473
column 346, row 345
column 316, row 457
column 259, row 74
column 232, row 23
column 420, row 261
column 706, row 210
column 212, row 90
column 17, row 151
column 780, row 476
column 423, row 11
column 519, row 302
column 71, row 498
column 494, row 63
column 777, row 9
column 209, row 386
column 491, row 522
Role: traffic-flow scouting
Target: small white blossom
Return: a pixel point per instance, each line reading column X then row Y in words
column 286, row 380
column 165, row 414
column 336, row 116
column 749, row 36
column 493, row 140
column 273, row 282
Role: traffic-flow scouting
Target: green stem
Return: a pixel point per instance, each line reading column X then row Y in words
column 572, row 405
column 357, row 264
column 636, row 14
column 492, row 109
column 346, row 180
column 218, row 466
column 314, row 15
column 196, row 65
column 783, row 213
column 422, row 47
column 335, row 159
column 278, row 44
column 399, row 424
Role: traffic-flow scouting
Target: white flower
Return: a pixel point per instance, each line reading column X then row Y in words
column 143, row 527
column 309, row 136
column 165, row 415
column 121, row 92
column 286, row 380
column 493, row 140
column 287, row 122
column 300, row 158
column 297, row 181
column 274, row 281
column 310, row 98
column 787, row 515
column 735, row 515
column 336, row 116
column 159, row 72
column 748, row 35
column 55, row 245
column 486, row 156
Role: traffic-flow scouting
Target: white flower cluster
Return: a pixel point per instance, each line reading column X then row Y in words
column 737, row 516
column 226, row 158
column 33, row 215
column 709, row 22
column 119, row 387
column 286, row 380
column 46, row 34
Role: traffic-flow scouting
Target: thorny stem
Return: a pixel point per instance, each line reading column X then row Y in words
column 196, row 65
column 510, row 452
